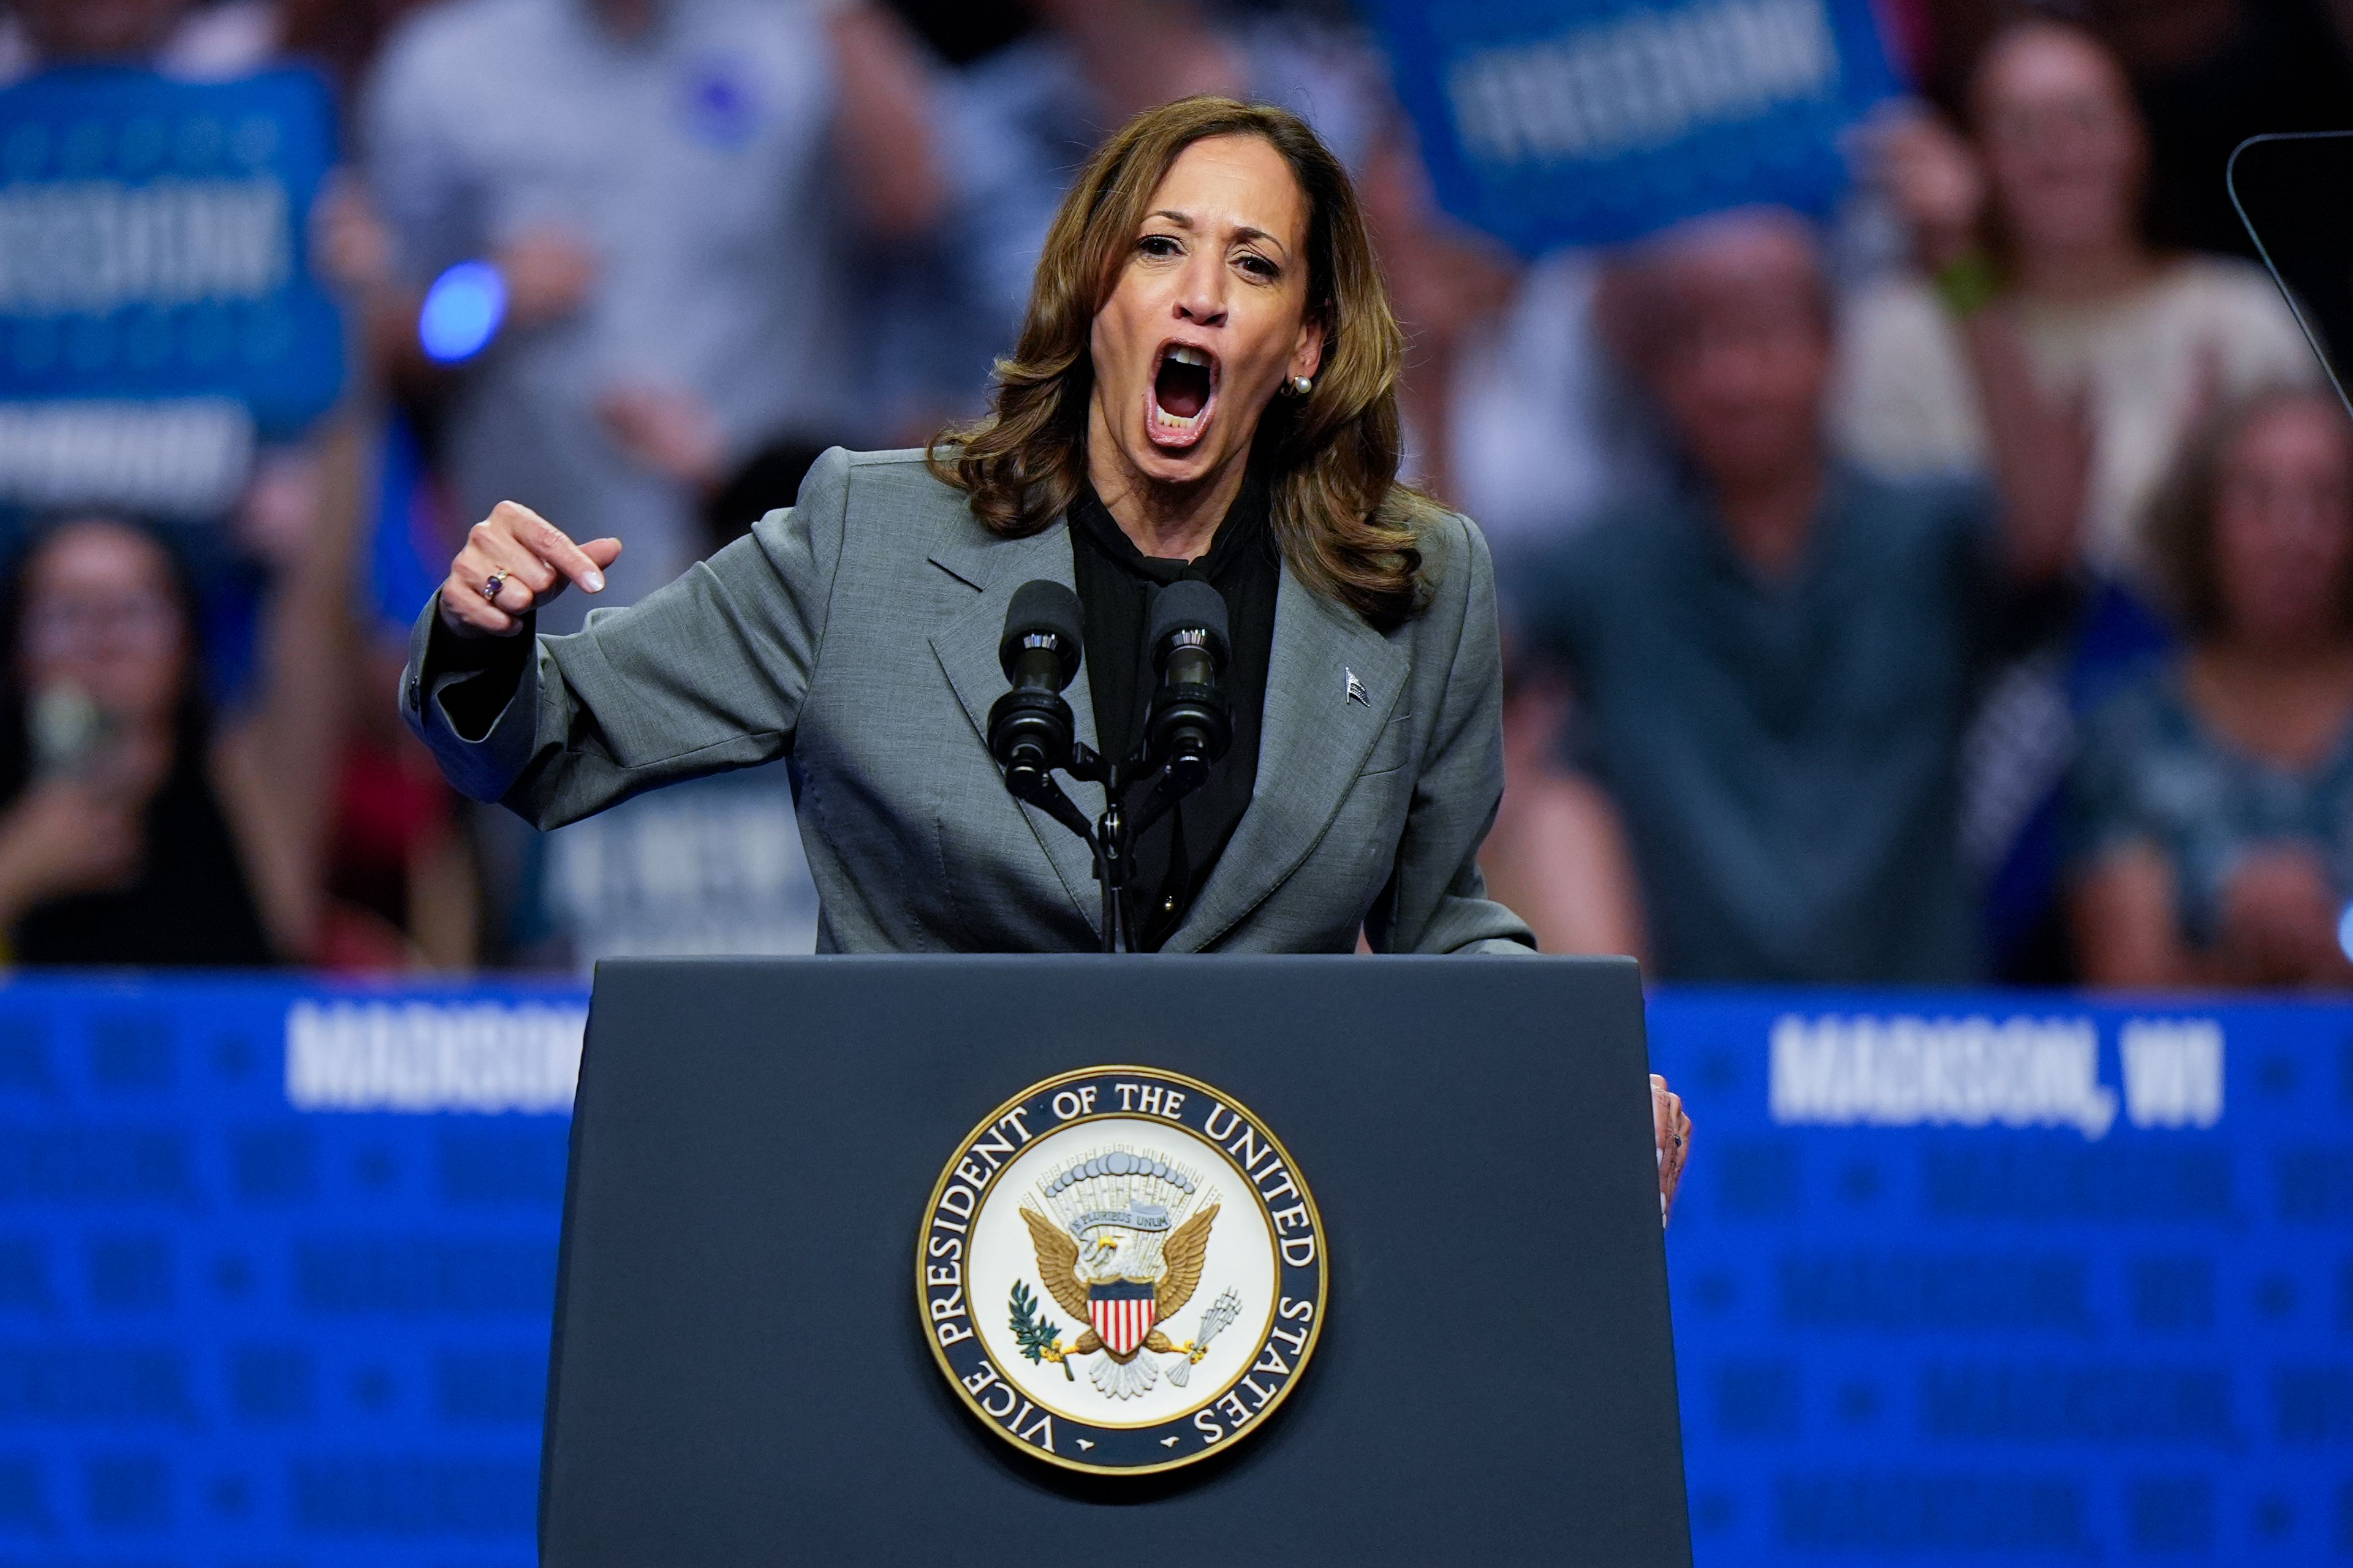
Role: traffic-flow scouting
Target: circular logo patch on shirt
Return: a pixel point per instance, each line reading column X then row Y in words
column 1122, row 1270
column 719, row 102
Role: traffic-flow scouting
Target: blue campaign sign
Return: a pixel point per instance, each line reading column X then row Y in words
column 1551, row 122
column 157, row 307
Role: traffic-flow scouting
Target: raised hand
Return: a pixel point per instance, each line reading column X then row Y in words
column 1936, row 181
column 550, row 273
column 669, row 430
column 515, row 561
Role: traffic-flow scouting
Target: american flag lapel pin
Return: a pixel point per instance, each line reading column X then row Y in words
column 1356, row 693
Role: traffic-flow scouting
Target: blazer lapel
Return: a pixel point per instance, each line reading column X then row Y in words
column 967, row 650
column 1313, row 743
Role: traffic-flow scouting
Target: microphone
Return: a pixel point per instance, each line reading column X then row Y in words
column 1030, row 730
column 1190, row 725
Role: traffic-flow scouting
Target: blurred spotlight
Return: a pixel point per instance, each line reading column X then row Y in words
column 462, row 312
column 2345, row 930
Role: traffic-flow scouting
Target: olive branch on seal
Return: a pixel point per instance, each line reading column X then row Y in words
column 1038, row 1338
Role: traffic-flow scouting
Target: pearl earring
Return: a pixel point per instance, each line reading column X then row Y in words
column 1301, row 386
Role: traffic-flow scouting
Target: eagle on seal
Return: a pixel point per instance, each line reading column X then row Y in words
column 1090, row 1282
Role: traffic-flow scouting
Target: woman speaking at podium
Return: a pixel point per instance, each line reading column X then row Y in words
column 1205, row 389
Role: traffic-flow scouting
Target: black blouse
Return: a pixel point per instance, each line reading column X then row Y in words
column 1116, row 584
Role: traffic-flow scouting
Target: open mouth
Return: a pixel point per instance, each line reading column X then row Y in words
column 1184, row 386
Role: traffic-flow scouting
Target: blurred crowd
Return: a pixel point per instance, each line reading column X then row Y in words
column 1957, row 589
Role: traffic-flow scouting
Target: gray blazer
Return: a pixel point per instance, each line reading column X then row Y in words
column 856, row 633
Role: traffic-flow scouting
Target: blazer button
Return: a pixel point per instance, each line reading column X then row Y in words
column 415, row 697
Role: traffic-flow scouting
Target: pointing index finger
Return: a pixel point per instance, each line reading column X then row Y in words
column 553, row 546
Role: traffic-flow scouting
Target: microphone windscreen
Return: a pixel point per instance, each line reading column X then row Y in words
column 1047, row 607
column 1188, row 607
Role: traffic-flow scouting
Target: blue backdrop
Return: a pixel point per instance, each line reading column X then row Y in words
column 1989, row 1277
column 1552, row 122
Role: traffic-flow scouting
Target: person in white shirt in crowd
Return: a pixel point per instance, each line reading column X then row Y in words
column 2038, row 216
column 677, row 195
column 2041, row 208
column 673, row 193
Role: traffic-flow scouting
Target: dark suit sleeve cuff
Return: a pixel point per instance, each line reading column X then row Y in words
column 473, row 700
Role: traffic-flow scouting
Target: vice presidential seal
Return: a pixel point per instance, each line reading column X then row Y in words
column 1122, row 1270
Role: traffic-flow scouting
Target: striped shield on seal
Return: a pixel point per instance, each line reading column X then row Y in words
column 1123, row 1313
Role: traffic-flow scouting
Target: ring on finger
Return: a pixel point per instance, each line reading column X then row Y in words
column 492, row 583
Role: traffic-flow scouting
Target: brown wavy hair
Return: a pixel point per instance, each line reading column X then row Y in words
column 1345, row 527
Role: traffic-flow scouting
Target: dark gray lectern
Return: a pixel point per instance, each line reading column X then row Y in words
column 740, row 1378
